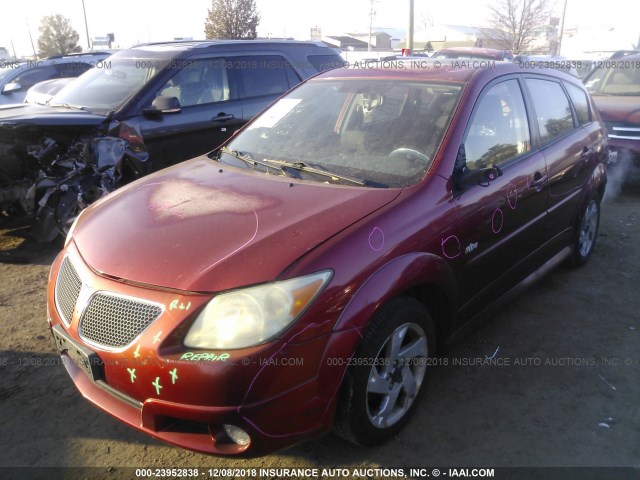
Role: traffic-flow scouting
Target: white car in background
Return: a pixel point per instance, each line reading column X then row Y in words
column 17, row 77
column 42, row 92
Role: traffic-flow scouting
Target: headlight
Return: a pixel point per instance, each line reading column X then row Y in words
column 252, row 315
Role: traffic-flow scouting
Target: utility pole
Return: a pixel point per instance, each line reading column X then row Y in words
column 371, row 14
column 33, row 47
column 564, row 11
column 86, row 26
column 410, row 31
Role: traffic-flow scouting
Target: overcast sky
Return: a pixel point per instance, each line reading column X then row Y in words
column 136, row 21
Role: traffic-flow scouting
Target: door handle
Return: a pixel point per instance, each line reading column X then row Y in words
column 538, row 181
column 222, row 117
column 586, row 153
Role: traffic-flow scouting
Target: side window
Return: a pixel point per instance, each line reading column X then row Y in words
column 499, row 130
column 580, row 103
column 552, row 108
column 34, row 75
column 264, row 75
column 198, row 82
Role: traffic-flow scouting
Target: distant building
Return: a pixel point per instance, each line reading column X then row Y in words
column 102, row 42
column 345, row 42
column 316, row 34
column 380, row 41
column 447, row 36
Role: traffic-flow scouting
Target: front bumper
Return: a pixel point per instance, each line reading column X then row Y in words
column 277, row 403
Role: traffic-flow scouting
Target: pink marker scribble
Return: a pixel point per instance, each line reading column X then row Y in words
column 512, row 196
column 451, row 243
column 497, row 220
column 376, row 239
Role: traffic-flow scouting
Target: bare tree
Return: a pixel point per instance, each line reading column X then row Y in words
column 232, row 19
column 518, row 22
column 57, row 36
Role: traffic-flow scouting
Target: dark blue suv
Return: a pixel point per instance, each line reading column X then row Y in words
column 145, row 108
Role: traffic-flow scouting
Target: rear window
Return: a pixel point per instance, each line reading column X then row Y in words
column 264, row 75
column 580, row 103
column 553, row 111
column 325, row 62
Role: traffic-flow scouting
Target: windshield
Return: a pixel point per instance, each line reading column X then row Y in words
column 382, row 132
column 623, row 80
column 109, row 86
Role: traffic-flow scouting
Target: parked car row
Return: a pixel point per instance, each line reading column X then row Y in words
column 615, row 87
column 118, row 123
column 301, row 277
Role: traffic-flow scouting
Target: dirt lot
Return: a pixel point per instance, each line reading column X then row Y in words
column 574, row 402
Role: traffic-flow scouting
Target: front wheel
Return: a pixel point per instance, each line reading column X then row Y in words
column 385, row 381
column 587, row 232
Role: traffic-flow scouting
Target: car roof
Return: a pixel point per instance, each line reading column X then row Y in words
column 488, row 52
column 78, row 56
column 186, row 45
column 448, row 71
column 628, row 57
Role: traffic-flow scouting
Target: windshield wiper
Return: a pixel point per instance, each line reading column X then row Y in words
column 303, row 167
column 249, row 160
column 66, row 105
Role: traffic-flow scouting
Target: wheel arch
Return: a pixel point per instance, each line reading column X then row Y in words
column 422, row 276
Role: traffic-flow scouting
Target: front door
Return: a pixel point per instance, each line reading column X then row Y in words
column 499, row 217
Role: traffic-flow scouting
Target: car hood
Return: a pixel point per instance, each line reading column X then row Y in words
column 31, row 114
column 619, row 108
column 204, row 226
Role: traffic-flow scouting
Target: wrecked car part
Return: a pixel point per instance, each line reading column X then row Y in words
column 56, row 183
column 92, row 170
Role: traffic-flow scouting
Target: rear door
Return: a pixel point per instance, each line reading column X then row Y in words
column 261, row 80
column 568, row 147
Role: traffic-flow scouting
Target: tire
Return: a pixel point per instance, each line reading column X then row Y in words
column 379, row 394
column 586, row 232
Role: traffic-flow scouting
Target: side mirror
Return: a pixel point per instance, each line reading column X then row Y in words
column 481, row 176
column 11, row 87
column 464, row 177
column 163, row 104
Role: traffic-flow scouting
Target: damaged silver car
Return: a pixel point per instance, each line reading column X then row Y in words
column 144, row 109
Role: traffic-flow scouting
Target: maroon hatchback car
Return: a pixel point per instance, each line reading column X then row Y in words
column 302, row 277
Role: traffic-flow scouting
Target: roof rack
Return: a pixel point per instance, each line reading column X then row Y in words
column 624, row 53
column 78, row 54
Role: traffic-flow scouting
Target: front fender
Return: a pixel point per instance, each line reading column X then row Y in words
column 393, row 279
column 388, row 282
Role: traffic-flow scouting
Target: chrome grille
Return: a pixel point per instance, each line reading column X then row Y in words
column 68, row 288
column 623, row 131
column 115, row 321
